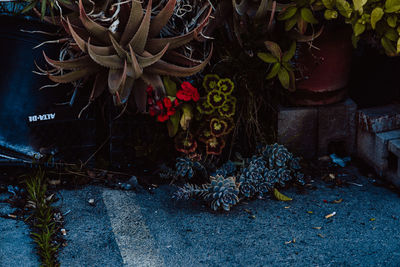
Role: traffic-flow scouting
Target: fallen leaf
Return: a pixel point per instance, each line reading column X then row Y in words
column 310, row 212
column 320, row 235
column 252, row 217
column 63, row 231
column 288, row 242
column 287, row 207
column 325, row 201
column 372, row 219
column 54, row 182
column 332, row 176
column 317, row 227
column 248, row 211
column 281, row 197
column 338, row 201
column 12, row 216
column 360, row 185
column 49, row 197
column 324, row 158
column 330, row 215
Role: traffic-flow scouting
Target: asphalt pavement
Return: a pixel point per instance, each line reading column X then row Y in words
column 128, row 228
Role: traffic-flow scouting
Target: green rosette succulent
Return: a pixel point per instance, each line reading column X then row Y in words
column 222, row 192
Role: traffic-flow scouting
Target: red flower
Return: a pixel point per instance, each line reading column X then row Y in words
column 176, row 102
column 167, row 102
column 149, row 90
column 188, row 92
column 162, row 117
column 160, row 104
column 171, row 111
column 152, row 111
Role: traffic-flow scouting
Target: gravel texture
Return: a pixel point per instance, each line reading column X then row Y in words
column 16, row 246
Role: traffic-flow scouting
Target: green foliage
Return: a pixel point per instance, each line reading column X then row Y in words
column 43, row 219
column 376, row 17
column 46, row 6
column 300, row 13
column 282, row 66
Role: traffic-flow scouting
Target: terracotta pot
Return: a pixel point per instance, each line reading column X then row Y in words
column 325, row 70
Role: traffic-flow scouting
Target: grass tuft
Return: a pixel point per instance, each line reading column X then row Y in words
column 42, row 218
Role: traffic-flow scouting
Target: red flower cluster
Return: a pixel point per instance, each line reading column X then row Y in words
column 163, row 109
column 188, row 92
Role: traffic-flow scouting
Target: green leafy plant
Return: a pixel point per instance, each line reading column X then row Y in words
column 42, row 218
column 281, row 64
column 378, row 20
column 300, row 13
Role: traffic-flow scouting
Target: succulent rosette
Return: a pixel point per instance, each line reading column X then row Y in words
column 210, row 82
column 283, row 175
column 247, row 188
column 222, row 192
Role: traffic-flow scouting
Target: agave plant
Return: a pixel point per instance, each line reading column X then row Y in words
column 127, row 56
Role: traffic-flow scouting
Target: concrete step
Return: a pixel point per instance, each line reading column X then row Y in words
column 378, row 140
column 379, row 119
column 380, row 150
column 394, row 147
column 318, row 131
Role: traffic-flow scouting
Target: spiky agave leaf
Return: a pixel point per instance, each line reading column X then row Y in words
column 131, row 60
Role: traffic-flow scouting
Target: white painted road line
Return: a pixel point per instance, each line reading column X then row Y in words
column 131, row 232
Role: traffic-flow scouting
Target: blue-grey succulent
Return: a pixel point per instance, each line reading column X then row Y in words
column 227, row 169
column 222, row 192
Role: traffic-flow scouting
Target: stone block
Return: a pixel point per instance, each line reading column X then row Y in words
column 337, row 128
column 394, row 147
column 297, row 130
column 379, row 119
column 374, row 148
column 366, row 146
column 394, row 170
